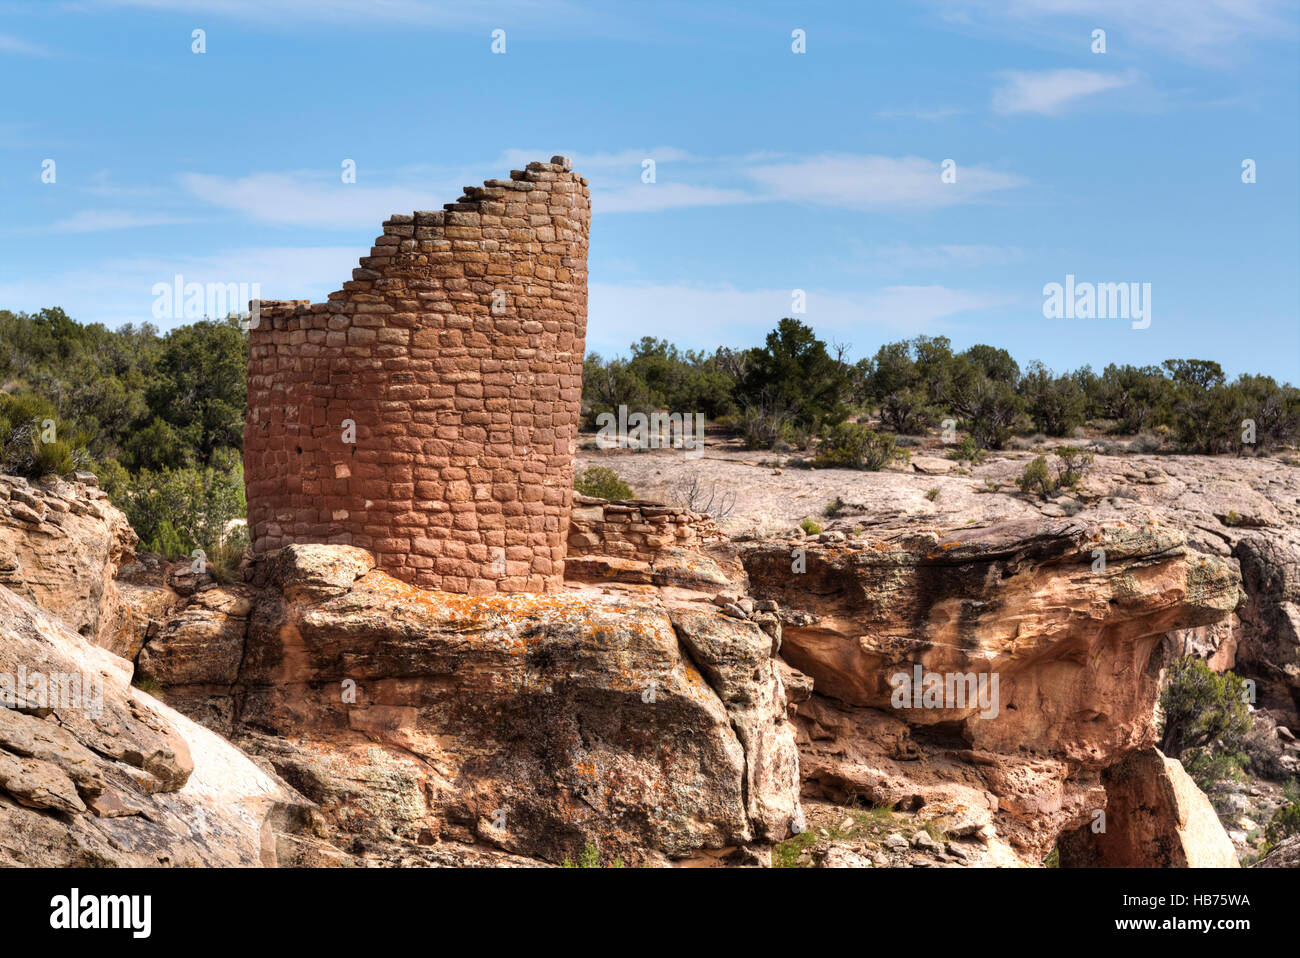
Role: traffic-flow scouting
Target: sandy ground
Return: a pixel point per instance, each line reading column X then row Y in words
column 767, row 494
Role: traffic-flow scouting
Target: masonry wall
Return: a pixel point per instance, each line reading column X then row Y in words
column 635, row 529
column 456, row 351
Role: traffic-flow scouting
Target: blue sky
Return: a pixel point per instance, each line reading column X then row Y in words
column 774, row 170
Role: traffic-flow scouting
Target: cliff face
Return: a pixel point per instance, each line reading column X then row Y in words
column 669, row 708
column 61, row 544
column 1041, row 641
column 1270, row 566
column 96, row 773
column 652, row 727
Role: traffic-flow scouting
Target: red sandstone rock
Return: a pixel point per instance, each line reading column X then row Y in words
column 642, row 721
column 66, row 559
column 1077, row 653
column 1156, row 817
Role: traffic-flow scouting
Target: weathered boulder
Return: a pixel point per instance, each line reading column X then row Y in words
column 94, row 772
column 1156, row 817
column 145, row 599
column 61, row 543
column 1042, row 643
column 201, row 642
column 1285, row 854
column 1270, row 648
column 652, row 726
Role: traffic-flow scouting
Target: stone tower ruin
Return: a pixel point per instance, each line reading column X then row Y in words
column 428, row 412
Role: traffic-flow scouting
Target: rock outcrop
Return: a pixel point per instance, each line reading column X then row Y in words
column 1040, row 639
column 648, row 724
column 1270, row 566
column 665, row 707
column 1285, row 854
column 94, row 772
column 61, row 544
column 1156, row 817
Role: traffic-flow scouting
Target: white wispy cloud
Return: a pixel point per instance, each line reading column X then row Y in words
column 120, row 290
column 902, row 257
column 616, row 179
column 94, row 221
column 1049, row 92
column 1213, row 32
column 652, row 197
column 311, row 199
column 21, row 47
column 865, row 182
column 876, row 182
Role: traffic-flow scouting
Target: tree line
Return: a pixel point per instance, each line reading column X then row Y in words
column 159, row 418
column 796, row 389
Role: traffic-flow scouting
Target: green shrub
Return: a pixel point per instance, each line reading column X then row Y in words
column 765, row 427
column 932, row 494
column 1037, row 479
column 589, row 857
column 175, row 511
column 600, row 482
column 786, row 854
column 1056, row 404
column 148, row 684
column 1286, row 819
column 1202, row 708
column 967, row 450
column 54, row 459
column 979, row 388
column 224, row 561
column 1071, row 466
column 810, row 527
column 1210, row 768
column 853, row 446
column 113, row 478
column 168, row 542
column 33, row 442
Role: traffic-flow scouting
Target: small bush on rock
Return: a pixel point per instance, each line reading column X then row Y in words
column 1071, row 466
column 853, row 446
column 600, row 482
column 1037, row 479
column 1202, row 707
column 1286, row 820
column 968, row 450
